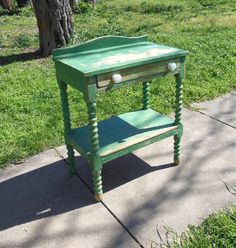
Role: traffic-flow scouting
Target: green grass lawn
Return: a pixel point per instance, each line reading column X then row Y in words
column 29, row 98
column 217, row 231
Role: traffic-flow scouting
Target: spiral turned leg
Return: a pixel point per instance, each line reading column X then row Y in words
column 96, row 163
column 176, row 149
column 67, row 124
column 97, row 182
column 93, row 127
column 146, row 94
column 178, row 109
column 71, row 159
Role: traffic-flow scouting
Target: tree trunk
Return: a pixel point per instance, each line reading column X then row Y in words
column 6, row 4
column 93, row 2
column 54, row 23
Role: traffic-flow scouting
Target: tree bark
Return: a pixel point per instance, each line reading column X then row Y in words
column 93, row 2
column 6, row 4
column 54, row 23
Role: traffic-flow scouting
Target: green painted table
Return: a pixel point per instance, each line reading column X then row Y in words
column 108, row 63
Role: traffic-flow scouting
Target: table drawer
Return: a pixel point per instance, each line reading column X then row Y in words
column 138, row 73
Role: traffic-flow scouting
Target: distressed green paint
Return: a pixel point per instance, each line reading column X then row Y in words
column 67, row 124
column 146, row 94
column 93, row 128
column 178, row 109
column 138, row 146
column 138, row 72
column 88, row 68
column 71, row 76
column 94, row 144
column 97, row 181
column 94, row 158
column 123, row 131
column 112, row 53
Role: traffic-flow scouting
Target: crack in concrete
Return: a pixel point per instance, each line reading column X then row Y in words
column 110, row 211
column 58, row 153
column 107, row 208
column 104, row 205
column 216, row 119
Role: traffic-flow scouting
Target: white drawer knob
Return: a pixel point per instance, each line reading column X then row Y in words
column 172, row 66
column 116, row 78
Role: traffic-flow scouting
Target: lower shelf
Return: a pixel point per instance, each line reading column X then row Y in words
column 124, row 133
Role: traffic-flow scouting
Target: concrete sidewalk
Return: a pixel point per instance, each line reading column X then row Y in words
column 43, row 206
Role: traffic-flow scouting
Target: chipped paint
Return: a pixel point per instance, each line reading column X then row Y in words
column 134, row 55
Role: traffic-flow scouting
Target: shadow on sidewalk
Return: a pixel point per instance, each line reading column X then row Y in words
column 40, row 193
column 50, row 190
column 119, row 171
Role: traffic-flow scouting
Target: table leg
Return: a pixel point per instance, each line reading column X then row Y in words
column 146, row 94
column 178, row 109
column 97, row 183
column 67, row 124
column 95, row 159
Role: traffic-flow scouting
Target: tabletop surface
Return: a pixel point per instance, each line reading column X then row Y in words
column 112, row 53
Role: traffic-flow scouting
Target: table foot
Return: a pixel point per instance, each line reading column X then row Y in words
column 98, row 197
column 97, row 184
column 176, row 149
column 71, row 159
column 176, row 162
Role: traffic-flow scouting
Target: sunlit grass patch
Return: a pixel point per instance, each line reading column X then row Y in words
column 218, row 230
column 29, row 97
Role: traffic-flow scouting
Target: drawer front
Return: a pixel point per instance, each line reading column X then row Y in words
column 138, row 73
